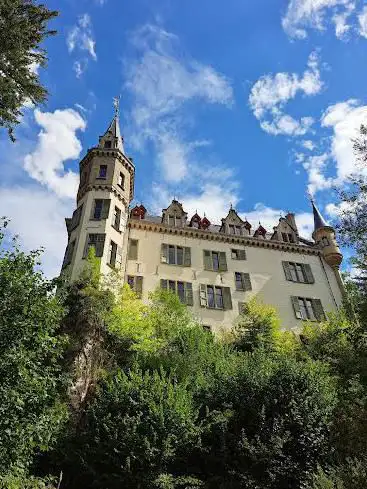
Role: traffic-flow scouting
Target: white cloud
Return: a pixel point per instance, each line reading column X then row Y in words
column 80, row 38
column 302, row 14
column 345, row 119
column 37, row 215
column 340, row 21
column 308, row 144
column 161, row 81
column 57, row 143
column 362, row 18
column 271, row 93
column 315, row 167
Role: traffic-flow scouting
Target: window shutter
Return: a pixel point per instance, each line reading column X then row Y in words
column 297, row 310
column 246, row 281
column 163, row 284
column 222, row 262
column 133, row 249
column 287, row 271
column 139, row 285
column 164, row 253
column 241, row 254
column 122, row 223
column 227, row 299
column 187, row 257
column 105, row 208
column 85, row 252
column 308, row 274
column 119, row 257
column 100, row 245
column 203, row 296
column 188, row 294
column 208, row 263
column 318, row 309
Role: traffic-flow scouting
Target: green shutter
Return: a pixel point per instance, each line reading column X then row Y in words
column 227, row 299
column 318, row 309
column 208, row 262
column 164, row 253
column 188, row 294
column 119, row 257
column 296, row 308
column 187, row 256
column 100, row 245
column 133, row 249
column 164, row 284
column 246, row 281
column 308, row 274
column 203, row 296
column 287, row 271
column 241, row 255
column 222, row 262
column 85, row 252
column 105, row 208
column 139, row 285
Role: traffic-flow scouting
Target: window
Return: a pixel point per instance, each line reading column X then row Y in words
column 173, row 220
column 308, row 309
column 97, row 241
column 75, row 220
column 215, row 260
column 325, row 241
column 68, row 254
column 176, row 255
column 241, row 307
column 242, row 281
column 214, row 297
column 121, row 180
column 136, row 284
column 112, row 254
column 133, row 249
column 182, row 289
column 288, row 237
column 101, row 209
column 116, row 218
column 207, row 328
column 235, row 229
column 102, row 171
column 238, row 254
column 298, row 272
column 108, row 144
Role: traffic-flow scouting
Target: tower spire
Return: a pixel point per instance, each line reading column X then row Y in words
column 113, row 136
column 319, row 221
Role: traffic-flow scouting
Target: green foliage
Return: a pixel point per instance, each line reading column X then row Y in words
column 31, row 379
column 259, row 327
column 23, row 28
column 353, row 474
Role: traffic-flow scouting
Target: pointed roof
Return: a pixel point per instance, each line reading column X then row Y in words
column 319, row 221
column 114, row 132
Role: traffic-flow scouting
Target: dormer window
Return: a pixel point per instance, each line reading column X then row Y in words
column 288, row 237
column 108, row 144
column 233, row 229
column 174, row 221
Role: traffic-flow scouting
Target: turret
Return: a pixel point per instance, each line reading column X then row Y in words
column 324, row 236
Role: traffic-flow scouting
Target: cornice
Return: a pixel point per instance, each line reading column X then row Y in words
column 209, row 236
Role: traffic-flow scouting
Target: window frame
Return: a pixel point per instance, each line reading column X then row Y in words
column 102, row 175
column 188, row 298
column 170, row 254
column 209, row 263
column 122, row 184
column 238, row 254
column 216, row 297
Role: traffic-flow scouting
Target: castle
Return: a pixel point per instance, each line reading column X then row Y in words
column 213, row 268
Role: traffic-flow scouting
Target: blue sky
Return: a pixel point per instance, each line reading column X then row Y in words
column 250, row 103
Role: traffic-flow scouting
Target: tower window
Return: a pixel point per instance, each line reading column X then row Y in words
column 97, row 241
column 102, row 171
column 98, row 205
column 112, row 254
column 116, row 218
column 108, row 144
column 121, row 180
column 101, row 209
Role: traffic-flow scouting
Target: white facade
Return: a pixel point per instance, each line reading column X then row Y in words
column 214, row 268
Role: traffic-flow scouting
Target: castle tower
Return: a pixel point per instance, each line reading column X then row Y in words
column 105, row 191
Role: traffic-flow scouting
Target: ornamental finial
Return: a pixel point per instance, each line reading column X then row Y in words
column 116, row 104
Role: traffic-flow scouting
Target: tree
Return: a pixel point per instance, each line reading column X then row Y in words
column 32, row 407
column 23, row 28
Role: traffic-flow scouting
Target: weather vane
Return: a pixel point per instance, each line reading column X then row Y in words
column 116, row 104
